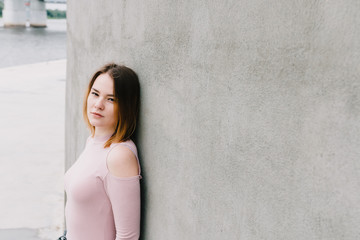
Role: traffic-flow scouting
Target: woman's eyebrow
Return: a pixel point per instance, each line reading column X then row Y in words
column 111, row 95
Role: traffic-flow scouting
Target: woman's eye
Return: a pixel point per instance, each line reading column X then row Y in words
column 111, row 99
column 94, row 93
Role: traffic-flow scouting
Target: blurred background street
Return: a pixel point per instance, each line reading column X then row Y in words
column 32, row 103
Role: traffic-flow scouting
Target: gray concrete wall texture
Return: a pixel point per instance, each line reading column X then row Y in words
column 250, row 112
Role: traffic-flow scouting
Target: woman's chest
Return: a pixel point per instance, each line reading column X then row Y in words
column 84, row 179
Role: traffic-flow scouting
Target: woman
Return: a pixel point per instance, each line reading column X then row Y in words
column 103, row 185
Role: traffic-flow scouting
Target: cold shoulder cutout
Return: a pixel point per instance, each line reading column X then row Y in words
column 122, row 162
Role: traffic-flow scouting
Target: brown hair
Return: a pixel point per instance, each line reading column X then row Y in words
column 127, row 101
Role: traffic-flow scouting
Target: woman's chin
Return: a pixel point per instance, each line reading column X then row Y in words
column 95, row 123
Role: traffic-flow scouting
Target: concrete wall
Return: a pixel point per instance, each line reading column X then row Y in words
column 250, row 112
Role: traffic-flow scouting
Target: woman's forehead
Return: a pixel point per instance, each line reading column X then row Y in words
column 104, row 84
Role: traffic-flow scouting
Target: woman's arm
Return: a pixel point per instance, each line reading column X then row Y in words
column 123, row 189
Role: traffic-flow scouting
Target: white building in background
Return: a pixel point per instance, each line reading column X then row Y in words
column 20, row 13
column 56, row 5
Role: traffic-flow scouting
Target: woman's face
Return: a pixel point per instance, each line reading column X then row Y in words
column 101, row 105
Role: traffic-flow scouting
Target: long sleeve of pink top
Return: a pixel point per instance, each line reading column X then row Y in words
column 101, row 206
column 124, row 195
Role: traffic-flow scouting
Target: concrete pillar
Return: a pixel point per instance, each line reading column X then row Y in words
column 249, row 125
column 14, row 14
column 37, row 13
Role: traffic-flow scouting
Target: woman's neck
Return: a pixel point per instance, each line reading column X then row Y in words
column 103, row 132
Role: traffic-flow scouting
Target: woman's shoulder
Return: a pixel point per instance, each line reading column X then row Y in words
column 122, row 159
column 129, row 143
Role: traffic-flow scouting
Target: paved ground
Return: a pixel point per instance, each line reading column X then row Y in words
column 19, row 234
column 32, row 124
column 32, row 103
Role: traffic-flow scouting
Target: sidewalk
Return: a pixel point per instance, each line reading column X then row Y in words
column 32, row 124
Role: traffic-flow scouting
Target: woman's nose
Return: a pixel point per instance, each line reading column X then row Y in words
column 99, row 104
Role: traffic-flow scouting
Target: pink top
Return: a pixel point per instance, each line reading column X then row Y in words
column 101, row 206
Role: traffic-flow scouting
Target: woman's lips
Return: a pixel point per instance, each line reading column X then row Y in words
column 97, row 114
